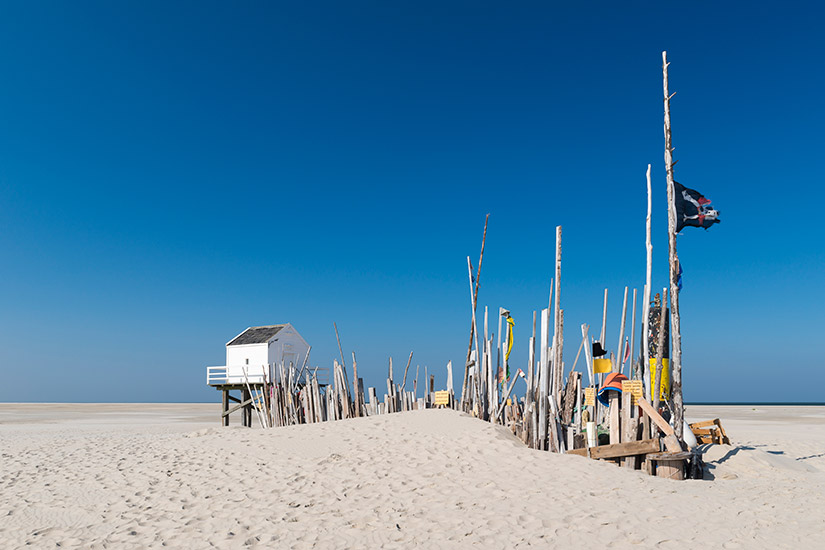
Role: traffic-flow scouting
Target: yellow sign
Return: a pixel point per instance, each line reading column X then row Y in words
column 665, row 382
column 601, row 366
column 635, row 389
column 442, row 398
column 589, row 397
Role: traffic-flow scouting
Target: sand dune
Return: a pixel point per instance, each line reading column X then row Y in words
column 133, row 476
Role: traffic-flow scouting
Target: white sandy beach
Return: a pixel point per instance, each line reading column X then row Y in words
column 150, row 476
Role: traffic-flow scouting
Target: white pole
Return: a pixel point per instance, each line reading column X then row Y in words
column 585, row 330
column 647, row 290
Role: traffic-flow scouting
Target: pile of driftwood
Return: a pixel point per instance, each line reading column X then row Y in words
column 305, row 396
column 561, row 413
column 634, row 418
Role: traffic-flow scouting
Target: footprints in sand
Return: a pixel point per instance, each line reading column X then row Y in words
column 396, row 481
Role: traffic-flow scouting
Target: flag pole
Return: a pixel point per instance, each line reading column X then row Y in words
column 676, row 337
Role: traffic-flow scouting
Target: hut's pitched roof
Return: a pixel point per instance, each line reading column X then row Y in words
column 256, row 335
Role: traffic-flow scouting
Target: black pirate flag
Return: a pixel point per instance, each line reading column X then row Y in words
column 692, row 208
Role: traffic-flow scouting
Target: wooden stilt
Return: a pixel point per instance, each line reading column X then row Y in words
column 224, row 408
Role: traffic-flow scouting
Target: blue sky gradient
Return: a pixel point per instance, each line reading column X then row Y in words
column 171, row 173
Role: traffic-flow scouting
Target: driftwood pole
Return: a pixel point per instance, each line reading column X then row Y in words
column 450, row 382
column 355, row 391
column 531, row 363
column 473, row 328
column 558, row 338
column 676, row 336
column 404, row 380
column 339, row 344
column 620, row 350
column 501, row 311
column 660, row 350
column 488, row 367
column 474, row 333
column 604, row 320
column 633, row 373
column 585, row 330
column 648, row 288
column 544, row 380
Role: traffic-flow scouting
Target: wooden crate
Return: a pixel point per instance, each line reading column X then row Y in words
column 710, row 431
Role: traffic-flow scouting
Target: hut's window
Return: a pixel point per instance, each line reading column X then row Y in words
column 247, row 360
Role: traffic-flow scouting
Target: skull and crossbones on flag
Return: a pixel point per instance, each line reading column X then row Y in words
column 692, row 208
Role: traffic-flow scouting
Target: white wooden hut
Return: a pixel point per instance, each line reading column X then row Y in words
column 259, row 352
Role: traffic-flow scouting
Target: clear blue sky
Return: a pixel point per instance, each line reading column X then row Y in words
column 172, row 173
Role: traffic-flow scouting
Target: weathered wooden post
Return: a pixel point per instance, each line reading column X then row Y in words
column 558, row 338
column 604, row 323
column 620, row 349
column 634, row 375
column 544, row 380
column 647, row 289
column 473, row 327
column 474, row 333
column 404, row 380
column 660, row 349
column 355, row 391
column 675, row 330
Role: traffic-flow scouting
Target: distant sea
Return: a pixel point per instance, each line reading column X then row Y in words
column 760, row 403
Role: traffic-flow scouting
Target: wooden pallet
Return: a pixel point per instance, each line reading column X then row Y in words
column 710, row 431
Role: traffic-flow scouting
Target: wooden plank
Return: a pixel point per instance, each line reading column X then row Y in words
column 725, row 438
column 619, row 450
column 671, row 441
column 704, row 423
